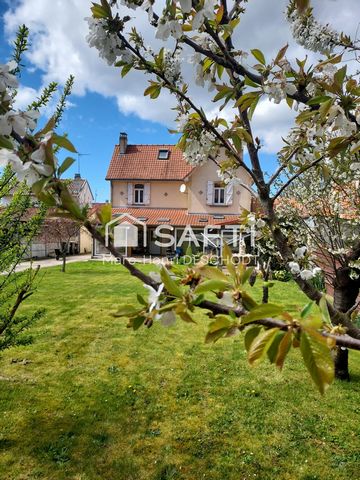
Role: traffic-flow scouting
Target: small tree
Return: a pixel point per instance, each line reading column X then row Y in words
column 21, row 217
column 17, row 230
column 63, row 231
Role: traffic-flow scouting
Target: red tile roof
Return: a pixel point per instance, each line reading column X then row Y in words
column 140, row 162
column 170, row 216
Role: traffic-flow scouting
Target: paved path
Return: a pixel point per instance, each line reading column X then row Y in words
column 52, row 262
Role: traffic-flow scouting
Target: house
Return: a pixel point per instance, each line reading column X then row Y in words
column 153, row 185
column 56, row 232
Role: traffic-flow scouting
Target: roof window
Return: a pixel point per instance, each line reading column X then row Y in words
column 163, row 154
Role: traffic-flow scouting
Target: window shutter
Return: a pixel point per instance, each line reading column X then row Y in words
column 210, row 193
column 229, row 193
column 147, row 194
column 130, row 194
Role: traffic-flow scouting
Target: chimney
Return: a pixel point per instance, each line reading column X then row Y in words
column 77, row 176
column 123, row 142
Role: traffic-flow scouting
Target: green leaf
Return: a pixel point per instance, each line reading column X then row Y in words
column 63, row 142
column 212, row 272
column 104, row 214
column 261, row 344
column 212, row 285
column 99, row 11
column 283, row 349
column 319, row 99
column 325, row 311
column 248, row 302
column 317, row 358
column 250, row 82
column 136, row 322
column 274, row 347
column 218, row 328
column 153, row 91
column 169, row 283
column 236, row 141
column 126, row 310
column 6, row 143
column 250, row 334
column 186, row 317
column 126, row 69
column 141, row 300
column 262, row 311
column 305, row 312
column 65, row 165
column 259, row 56
column 246, row 275
column 228, row 260
column 281, row 54
column 339, row 76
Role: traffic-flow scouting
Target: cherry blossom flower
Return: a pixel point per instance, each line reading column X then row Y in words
column 168, row 27
column 206, row 13
column 300, row 252
column 154, row 296
column 186, row 6
column 18, row 121
column 7, row 79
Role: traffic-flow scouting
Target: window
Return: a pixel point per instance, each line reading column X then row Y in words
column 163, row 154
column 219, row 194
column 138, row 193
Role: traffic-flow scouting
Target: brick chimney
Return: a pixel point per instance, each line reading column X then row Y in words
column 123, row 142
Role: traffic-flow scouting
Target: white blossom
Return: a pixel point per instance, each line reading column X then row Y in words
column 7, row 79
column 107, row 44
column 306, row 274
column 198, row 149
column 294, row 268
column 18, row 121
column 300, row 252
column 311, row 34
column 154, row 296
column 206, row 13
column 168, row 27
column 186, row 5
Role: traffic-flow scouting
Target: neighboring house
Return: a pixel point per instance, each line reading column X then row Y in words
column 56, row 232
column 81, row 191
column 155, row 185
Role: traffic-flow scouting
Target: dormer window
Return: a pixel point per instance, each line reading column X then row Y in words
column 163, row 154
column 139, row 193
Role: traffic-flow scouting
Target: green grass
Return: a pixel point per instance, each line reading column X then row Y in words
column 94, row 400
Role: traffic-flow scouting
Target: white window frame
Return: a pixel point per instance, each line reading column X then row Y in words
column 139, row 194
column 217, row 194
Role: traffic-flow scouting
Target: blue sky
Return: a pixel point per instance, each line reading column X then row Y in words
column 103, row 104
column 93, row 124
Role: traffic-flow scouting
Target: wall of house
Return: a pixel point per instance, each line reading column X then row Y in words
column 163, row 194
column 85, row 241
column 197, row 187
column 85, row 196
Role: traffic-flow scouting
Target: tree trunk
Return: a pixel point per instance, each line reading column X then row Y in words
column 265, row 288
column 63, row 262
column 346, row 292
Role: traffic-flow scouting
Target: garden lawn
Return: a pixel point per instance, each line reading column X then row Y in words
column 93, row 400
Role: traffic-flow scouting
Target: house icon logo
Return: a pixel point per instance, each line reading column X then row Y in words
column 124, row 231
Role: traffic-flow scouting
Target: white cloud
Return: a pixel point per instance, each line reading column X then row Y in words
column 59, row 48
column 25, row 96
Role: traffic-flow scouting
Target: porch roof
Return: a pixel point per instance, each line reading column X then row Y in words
column 172, row 216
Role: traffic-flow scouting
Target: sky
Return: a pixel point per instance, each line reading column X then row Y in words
column 103, row 104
